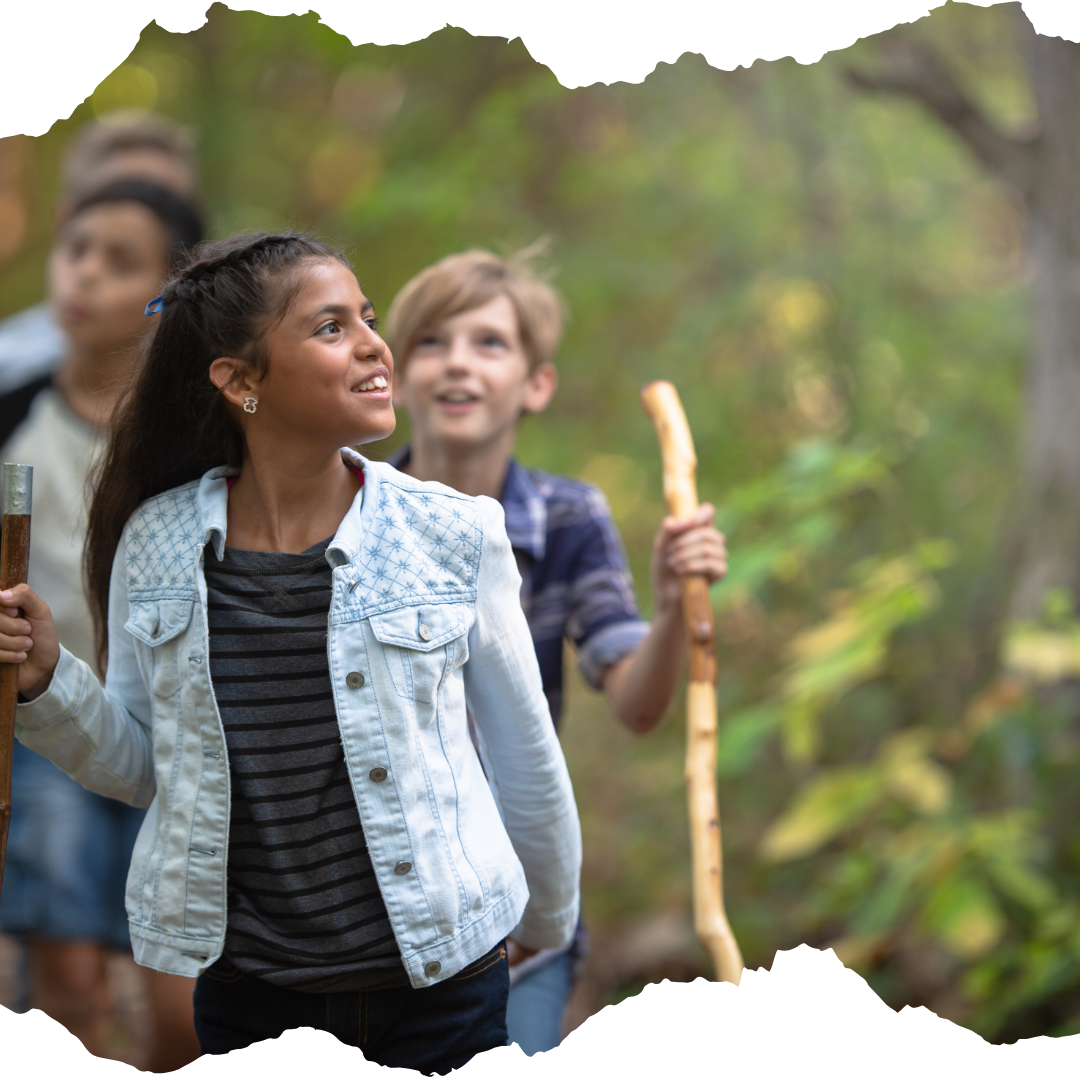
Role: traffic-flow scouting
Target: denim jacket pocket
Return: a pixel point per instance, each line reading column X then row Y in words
column 154, row 623
column 418, row 642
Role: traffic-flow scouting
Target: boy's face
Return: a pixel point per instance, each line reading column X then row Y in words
column 467, row 381
column 105, row 266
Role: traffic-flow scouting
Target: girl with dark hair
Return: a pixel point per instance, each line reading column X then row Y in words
column 292, row 634
column 69, row 848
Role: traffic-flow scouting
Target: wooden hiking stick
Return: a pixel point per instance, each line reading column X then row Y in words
column 661, row 401
column 14, row 559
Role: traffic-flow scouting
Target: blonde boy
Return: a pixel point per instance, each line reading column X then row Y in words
column 475, row 337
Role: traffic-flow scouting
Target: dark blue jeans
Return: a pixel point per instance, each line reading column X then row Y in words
column 432, row 1030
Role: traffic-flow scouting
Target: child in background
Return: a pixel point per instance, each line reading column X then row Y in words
column 475, row 336
column 292, row 635
column 124, row 145
column 69, row 849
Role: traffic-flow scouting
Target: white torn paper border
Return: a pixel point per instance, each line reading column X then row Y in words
column 807, row 1017
column 76, row 44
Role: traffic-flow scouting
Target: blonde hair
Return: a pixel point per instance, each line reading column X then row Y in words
column 468, row 280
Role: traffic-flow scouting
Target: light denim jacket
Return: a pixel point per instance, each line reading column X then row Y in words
column 425, row 608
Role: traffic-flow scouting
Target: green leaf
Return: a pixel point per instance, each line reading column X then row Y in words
column 742, row 737
column 964, row 916
column 821, row 810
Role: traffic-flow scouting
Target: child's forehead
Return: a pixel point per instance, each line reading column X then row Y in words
column 109, row 210
column 327, row 286
column 124, row 220
column 496, row 310
column 327, row 275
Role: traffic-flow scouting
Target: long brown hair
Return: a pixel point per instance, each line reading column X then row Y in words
column 174, row 424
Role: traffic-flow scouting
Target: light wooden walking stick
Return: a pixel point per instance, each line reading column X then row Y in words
column 14, row 560
column 661, row 401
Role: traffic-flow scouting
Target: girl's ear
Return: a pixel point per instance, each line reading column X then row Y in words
column 233, row 378
column 540, row 388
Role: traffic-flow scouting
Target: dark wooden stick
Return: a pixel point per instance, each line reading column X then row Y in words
column 661, row 402
column 14, row 561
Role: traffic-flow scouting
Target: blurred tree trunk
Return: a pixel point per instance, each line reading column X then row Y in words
column 1051, row 549
column 1044, row 167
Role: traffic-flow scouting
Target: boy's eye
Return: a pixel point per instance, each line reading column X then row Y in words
column 123, row 266
column 493, row 341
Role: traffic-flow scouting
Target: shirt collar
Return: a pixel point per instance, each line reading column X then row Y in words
column 525, row 510
column 212, row 502
column 523, row 505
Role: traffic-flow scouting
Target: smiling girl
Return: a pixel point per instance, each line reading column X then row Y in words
column 292, row 634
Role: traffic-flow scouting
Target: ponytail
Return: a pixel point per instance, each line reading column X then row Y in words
column 174, row 424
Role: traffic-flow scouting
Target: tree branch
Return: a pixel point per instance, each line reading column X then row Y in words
column 916, row 72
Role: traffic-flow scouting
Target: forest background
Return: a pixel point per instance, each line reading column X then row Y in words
column 841, row 295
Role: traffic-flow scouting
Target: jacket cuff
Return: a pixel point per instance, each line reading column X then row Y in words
column 60, row 701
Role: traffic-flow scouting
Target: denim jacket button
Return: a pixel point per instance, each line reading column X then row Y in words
column 354, row 680
column 402, row 868
column 425, row 632
column 378, row 775
column 432, row 967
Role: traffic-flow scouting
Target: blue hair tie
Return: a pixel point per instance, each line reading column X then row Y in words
column 155, row 305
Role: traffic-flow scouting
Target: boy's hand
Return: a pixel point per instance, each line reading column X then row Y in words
column 516, row 953
column 688, row 546
column 30, row 642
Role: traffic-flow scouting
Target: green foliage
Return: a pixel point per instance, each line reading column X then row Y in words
column 912, row 848
column 837, row 291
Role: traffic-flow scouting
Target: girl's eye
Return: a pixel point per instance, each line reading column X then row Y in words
column 373, row 322
column 494, row 342
column 331, row 327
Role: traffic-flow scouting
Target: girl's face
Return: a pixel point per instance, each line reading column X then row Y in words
column 329, row 373
column 468, row 383
column 105, row 266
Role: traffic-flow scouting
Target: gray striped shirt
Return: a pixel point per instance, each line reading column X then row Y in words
column 305, row 909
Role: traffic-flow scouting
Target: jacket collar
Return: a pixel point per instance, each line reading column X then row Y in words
column 212, row 502
column 212, row 506
column 345, row 547
column 523, row 505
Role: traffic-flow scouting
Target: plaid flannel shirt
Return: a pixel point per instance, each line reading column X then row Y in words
column 575, row 583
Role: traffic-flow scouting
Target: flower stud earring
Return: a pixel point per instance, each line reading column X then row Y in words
column 250, row 404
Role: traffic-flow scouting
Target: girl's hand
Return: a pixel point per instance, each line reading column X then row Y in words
column 29, row 641
column 688, row 546
column 516, row 953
